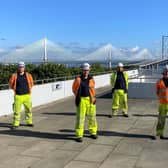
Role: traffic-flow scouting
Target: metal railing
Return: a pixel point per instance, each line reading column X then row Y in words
column 150, row 72
column 4, row 86
column 50, row 80
column 141, row 79
column 144, row 75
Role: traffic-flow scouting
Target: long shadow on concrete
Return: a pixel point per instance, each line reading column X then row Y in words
column 115, row 134
column 61, row 113
column 69, row 134
column 146, row 115
column 9, row 125
column 37, row 134
column 72, row 114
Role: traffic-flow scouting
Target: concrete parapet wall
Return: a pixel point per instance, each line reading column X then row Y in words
column 47, row 93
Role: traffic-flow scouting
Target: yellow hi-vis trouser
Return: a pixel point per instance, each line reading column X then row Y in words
column 26, row 101
column 119, row 99
column 86, row 108
column 163, row 109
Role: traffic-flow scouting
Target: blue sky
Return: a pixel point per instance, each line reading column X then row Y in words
column 124, row 23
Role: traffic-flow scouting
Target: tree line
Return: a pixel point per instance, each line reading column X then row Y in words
column 46, row 71
column 50, row 70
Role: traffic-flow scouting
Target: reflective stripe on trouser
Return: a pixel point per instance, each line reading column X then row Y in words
column 163, row 109
column 86, row 109
column 119, row 99
column 26, row 101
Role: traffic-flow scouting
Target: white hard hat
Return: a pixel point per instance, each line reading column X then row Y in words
column 120, row 64
column 21, row 64
column 86, row 66
column 165, row 68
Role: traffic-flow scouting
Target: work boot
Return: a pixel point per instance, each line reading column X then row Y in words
column 79, row 139
column 125, row 115
column 94, row 136
column 30, row 125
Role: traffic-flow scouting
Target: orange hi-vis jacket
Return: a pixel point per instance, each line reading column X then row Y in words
column 162, row 91
column 76, row 85
column 13, row 80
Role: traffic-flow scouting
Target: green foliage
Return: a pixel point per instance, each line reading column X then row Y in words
column 46, row 71
column 5, row 72
column 75, row 71
column 131, row 67
column 97, row 68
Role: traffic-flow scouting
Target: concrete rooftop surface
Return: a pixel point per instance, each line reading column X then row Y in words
column 122, row 142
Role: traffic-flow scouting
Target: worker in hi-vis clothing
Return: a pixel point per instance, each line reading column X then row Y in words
column 21, row 82
column 119, row 83
column 162, row 93
column 84, row 90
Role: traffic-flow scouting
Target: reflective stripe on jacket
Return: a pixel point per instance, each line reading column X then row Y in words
column 13, row 80
column 162, row 91
column 114, row 77
column 76, row 85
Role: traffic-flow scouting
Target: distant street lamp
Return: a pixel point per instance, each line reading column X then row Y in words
column 164, row 47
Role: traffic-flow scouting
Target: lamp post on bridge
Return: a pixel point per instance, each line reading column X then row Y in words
column 109, row 59
column 164, row 46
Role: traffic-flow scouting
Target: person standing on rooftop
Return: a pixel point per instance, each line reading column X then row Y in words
column 119, row 83
column 84, row 90
column 162, row 93
column 21, row 82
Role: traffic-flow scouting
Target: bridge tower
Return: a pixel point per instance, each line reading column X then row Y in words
column 45, row 59
column 109, row 59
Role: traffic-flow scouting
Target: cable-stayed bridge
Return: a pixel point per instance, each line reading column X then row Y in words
column 45, row 50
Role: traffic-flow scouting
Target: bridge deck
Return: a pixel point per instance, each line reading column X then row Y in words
column 122, row 142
